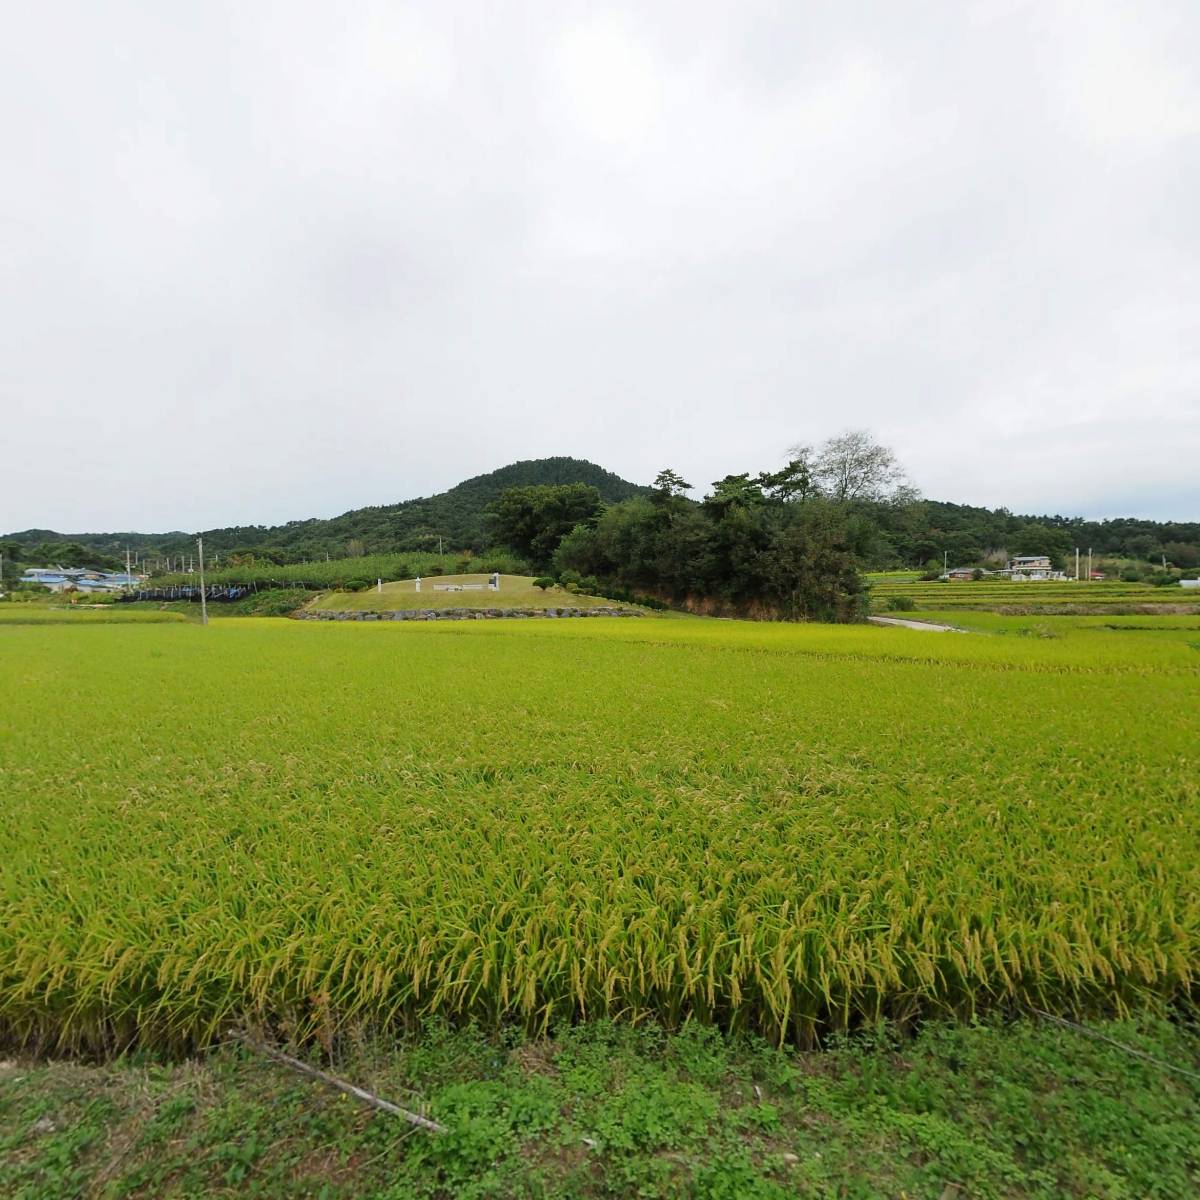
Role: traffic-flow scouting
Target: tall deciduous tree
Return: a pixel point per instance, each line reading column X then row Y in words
column 853, row 466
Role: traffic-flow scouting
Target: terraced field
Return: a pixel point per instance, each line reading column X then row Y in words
column 1046, row 596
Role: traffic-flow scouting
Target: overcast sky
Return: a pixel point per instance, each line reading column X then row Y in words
column 275, row 260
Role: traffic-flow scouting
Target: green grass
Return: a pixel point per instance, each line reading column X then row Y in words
column 787, row 829
column 992, row 1111
column 516, row 591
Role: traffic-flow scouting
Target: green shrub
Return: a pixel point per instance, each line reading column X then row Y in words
column 543, row 582
column 901, row 604
column 280, row 603
column 356, row 585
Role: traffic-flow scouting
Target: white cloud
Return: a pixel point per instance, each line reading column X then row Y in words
column 1129, row 73
column 280, row 260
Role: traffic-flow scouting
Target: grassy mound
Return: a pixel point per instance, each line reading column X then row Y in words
column 516, row 591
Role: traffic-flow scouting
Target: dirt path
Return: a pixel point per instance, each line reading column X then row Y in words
column 926, row 625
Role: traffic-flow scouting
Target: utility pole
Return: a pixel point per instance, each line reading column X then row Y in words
column 945, row 562
column 1076, row 564
column 128, row 579
column 203, row 602
column 1089, row 564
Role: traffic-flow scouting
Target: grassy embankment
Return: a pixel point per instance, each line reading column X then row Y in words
column 516, row 591
column 995, row 1111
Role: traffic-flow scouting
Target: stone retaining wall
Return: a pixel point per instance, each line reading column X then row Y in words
column 457, row 614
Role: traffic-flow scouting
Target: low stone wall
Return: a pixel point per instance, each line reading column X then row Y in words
column 457, row 614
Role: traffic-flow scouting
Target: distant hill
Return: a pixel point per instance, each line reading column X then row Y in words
column 887, row 536
column 457, row 516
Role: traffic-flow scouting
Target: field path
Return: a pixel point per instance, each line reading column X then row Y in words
column 928, row 625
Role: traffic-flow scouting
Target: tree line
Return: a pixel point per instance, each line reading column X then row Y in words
column 778, row 543
column 883, row 521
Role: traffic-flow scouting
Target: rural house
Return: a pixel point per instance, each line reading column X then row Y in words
column 1033, row 566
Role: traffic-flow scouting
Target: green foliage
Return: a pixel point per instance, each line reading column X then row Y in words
column 338, row 573
column 1000, row 1111
column 741, row 550
column 534, row 520
column 668, row 484
column 59, row 553
column 263, row 604
column 456, row 516
column 901, row 603
column 891, row 527
column 543, row 582
column 1037, row 538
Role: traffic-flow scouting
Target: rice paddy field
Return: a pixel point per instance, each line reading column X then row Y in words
column 787, row 829
column 1005, row 595
column 45, row 614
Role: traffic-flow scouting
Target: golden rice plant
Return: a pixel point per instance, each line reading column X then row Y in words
column 777, row 828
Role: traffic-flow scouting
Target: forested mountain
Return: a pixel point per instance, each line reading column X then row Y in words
column 884, row 534
column 456, row 516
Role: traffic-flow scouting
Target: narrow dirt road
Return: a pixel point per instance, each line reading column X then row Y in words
column 929, row 626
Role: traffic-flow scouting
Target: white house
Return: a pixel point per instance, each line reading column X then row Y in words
column 1033, row 566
